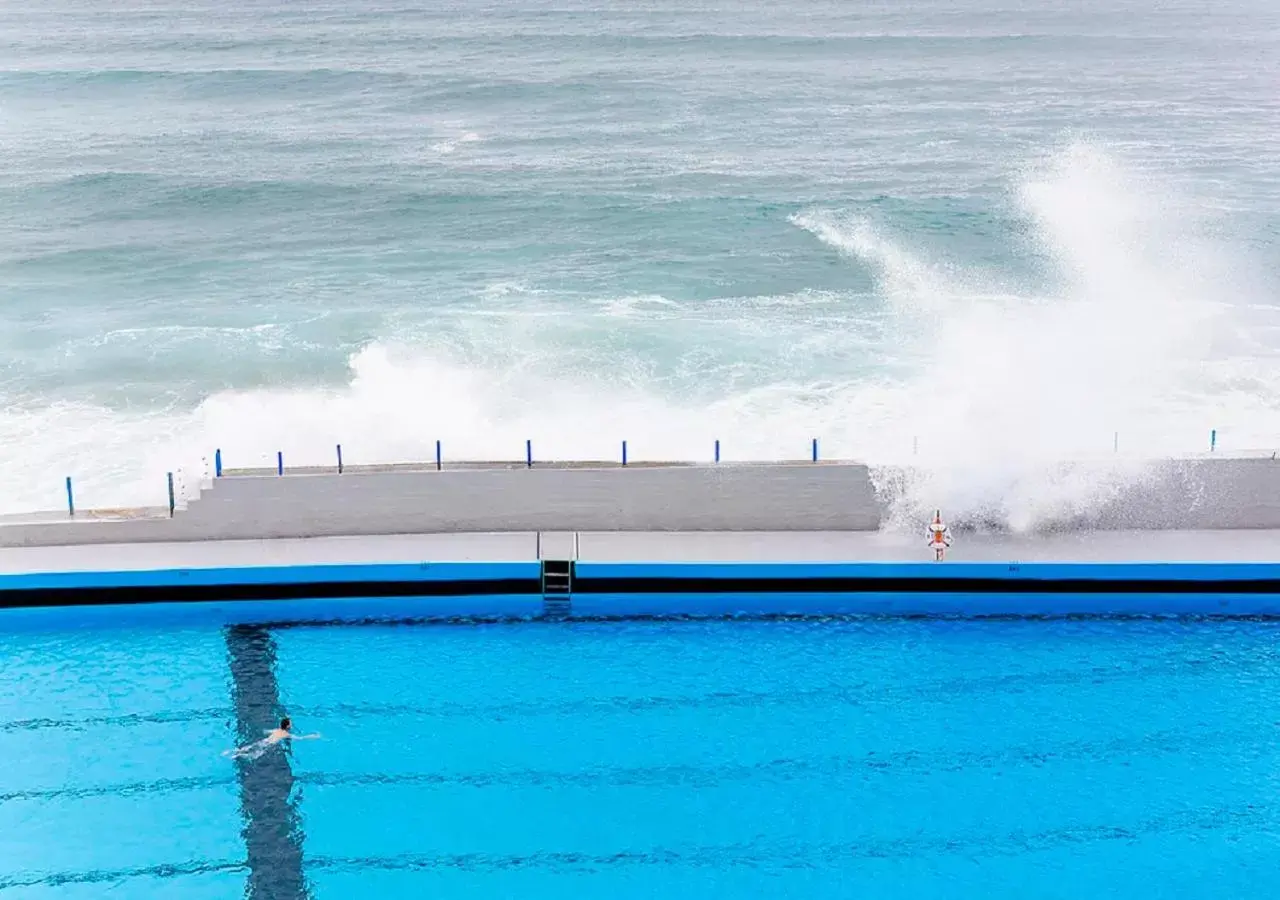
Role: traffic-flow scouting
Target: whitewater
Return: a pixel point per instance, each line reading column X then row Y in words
column 956, row 237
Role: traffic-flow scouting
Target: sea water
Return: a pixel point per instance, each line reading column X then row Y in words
column 957, row 230
column 644, row 759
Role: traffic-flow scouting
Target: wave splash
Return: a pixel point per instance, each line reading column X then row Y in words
column 1126, row 352
column 963, row 392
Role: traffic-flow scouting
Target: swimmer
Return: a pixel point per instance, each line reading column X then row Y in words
column 274, row 736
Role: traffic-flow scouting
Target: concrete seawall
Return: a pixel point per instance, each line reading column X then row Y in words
column 1189, row 494
column 803, row 497
column 808, row 497
column 1200, row 494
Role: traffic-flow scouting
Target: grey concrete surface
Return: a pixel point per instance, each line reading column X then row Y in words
column 1161, row 546
column 1195, row 494
column 1189, row 495
column 804, row 497
column 1200, row 494
column 393, row 548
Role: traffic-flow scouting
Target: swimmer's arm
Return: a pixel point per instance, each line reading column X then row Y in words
column 305, row 737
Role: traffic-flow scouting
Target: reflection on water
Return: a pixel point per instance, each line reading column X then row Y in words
column 272, row 828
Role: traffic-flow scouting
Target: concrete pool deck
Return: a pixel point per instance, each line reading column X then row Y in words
column 611, row 575
column 766, row 539
column 1227, row 546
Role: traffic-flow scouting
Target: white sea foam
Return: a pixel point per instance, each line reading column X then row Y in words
column 1143, row 325
column 449, row 145
column 1126, row 336
column 634, row 307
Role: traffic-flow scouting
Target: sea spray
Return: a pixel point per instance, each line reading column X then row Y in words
column 1008, row 390
column 982, row 385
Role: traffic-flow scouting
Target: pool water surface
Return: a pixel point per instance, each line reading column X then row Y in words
column 816, row 758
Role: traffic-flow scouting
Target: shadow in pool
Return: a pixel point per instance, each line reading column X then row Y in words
column 272, row 828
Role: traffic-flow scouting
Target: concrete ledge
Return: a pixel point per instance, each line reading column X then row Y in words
column 1209, row 494
column 1254, row 546
column 1198, row 494
column 801, row 497
column 231, row 581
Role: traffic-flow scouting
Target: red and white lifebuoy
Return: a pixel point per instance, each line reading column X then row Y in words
column 939, row 537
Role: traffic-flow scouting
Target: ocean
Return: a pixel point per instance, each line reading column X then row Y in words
column 976, row 233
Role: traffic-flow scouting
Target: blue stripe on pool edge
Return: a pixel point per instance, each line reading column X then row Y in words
column 251, row 575
column 933, row 604
column 1094, row 571
column 436, row 572
column 622, row 590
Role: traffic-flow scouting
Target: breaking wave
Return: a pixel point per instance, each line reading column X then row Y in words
column 1136, row 333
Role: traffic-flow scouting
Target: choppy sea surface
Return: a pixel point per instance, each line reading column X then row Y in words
column 964, row 229
column 816, row 759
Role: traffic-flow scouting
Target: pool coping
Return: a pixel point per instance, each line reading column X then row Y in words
column 565, row 575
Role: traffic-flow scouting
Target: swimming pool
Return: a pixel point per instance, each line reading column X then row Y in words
column 813, row 758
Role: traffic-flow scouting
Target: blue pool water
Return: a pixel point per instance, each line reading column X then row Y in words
column 644, row 759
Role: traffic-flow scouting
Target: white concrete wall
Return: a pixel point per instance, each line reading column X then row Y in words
column 640, row 546
column 1189, row 495
column 1195, row 494
column 800, row 497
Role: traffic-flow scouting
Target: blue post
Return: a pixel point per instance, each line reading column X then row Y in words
column 717, row 449
column 528, row 453
column 1115, row 444
column 339, row 459
column 437, row 456
column 172, row 503
column 1213, row 440
column 815, row 449
column 71, row 500
column 279, row 462
column 624, row 453
column 217, row 463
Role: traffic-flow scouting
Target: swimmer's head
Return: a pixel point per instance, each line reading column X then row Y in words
column 285, row 724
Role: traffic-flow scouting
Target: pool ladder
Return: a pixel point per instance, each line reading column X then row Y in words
column 558, row 571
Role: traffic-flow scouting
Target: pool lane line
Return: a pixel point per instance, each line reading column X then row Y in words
column 272, row 830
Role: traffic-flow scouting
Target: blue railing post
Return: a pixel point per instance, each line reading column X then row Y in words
column 624, row 453
column 1115, row 443
column 71, row 500
column 528, row 453
column 339, row 459
column 279, row 462
column 172, row 501
column 1213, row 440
column 217, row 463
column 717, row 449
column 437, row 456
column 915, row 446
column 815, row 449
